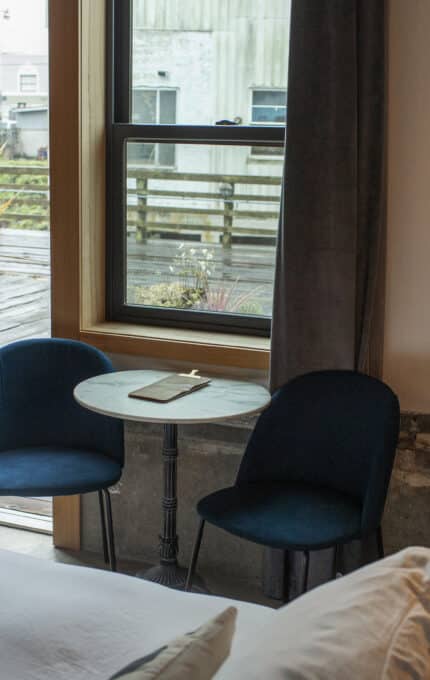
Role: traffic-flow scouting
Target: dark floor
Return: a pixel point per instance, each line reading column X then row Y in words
column 40, row 546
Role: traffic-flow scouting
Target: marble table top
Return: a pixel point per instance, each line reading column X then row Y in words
column 220, row 400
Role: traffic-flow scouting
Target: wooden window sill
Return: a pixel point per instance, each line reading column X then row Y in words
column 180, row 345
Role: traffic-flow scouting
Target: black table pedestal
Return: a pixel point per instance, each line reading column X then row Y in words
column 168, row 572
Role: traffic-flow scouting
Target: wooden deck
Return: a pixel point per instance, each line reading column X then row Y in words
column 25, row 276
column 24, row 285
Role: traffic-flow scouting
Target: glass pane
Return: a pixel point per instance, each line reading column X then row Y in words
column 214, row 53
column 24, row 201
column 202, row 236
column 269, row 97
column 24, row 171
column 268, row 114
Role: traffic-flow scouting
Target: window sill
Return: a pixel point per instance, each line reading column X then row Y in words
column 241, row 351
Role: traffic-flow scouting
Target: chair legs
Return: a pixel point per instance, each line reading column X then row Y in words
column 107, row 528
column 306, row 571
column 337, row 554
column 104, row 532
column 195, row 556
column 380, row 543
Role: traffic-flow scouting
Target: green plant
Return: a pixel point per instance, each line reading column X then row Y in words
column 167, row 295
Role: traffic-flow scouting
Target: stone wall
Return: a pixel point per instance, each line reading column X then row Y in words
column 208, row 459
column 407, row 515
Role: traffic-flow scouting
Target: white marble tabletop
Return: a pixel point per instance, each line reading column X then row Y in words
column 220, row 400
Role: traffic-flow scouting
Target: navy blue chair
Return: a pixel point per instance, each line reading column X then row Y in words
column 49, row 445
column 316, row 470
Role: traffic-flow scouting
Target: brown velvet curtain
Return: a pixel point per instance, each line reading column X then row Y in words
column 328, row 298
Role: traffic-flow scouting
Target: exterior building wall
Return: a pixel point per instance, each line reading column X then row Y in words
column 23, row 50
column 213, row 55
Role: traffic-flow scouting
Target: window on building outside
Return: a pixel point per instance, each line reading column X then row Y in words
column 269, row 106
column 195, row 166
column 28, row 82
column 150, row 107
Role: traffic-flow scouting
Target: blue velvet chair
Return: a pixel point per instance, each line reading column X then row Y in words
column 316, row 470
column 49, row 445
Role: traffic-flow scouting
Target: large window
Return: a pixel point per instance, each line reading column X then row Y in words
column 194, row 170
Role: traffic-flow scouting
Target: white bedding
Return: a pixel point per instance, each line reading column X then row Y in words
column 73, row 623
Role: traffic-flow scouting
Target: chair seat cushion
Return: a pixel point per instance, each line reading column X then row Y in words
column 52, row 471
column 285, row 515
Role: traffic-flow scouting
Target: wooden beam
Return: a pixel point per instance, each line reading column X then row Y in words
column 64, row 74
column 66, row 528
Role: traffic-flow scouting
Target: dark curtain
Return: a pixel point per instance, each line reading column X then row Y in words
column 328, row 300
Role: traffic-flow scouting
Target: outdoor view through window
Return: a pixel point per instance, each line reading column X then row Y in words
column 24, row 182
column 202, row 218
column 24, row 199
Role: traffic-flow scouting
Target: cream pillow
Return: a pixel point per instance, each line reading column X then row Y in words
column 371, row 625
column 196, row 656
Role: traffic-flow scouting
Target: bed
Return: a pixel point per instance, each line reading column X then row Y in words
column 74, row 623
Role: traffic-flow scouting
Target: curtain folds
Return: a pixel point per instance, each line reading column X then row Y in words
column 328, row 301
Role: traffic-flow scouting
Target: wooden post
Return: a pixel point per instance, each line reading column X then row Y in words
column 227, row 236
column 142, row 202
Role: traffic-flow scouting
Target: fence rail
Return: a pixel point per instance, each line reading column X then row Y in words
column 228, row 205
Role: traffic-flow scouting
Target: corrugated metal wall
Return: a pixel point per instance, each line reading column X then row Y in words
column 205, row 15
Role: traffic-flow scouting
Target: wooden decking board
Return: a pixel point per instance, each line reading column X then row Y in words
column 24, row 285
column 25, row 275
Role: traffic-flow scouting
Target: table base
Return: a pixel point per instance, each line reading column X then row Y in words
column 172, row 576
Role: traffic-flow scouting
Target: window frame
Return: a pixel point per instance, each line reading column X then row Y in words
column 252, row 105
column 119, row 131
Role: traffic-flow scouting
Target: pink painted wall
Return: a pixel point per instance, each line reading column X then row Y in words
column 407, row 323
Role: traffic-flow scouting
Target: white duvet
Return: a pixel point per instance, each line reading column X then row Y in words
column 73, row 623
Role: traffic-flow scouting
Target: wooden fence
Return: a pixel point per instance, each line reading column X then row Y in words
column 243, row 207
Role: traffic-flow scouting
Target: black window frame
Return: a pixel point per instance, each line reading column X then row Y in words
column 120, row 131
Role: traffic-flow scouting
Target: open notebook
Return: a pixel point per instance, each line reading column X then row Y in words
column 171, row 387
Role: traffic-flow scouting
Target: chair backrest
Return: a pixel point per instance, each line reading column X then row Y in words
column 37, row 408
column 336, row 429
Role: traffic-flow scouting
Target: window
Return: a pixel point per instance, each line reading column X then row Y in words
column 150, row 107
column 269, row 106
column 28, row 83
column 193, row 215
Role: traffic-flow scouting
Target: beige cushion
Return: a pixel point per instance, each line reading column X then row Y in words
column 196, row 656
column 371, row 625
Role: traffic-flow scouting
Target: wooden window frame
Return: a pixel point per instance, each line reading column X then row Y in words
column 77, row 57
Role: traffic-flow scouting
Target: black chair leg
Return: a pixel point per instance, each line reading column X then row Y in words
column 306, row 571
column 380, row 543
column 104, row 532
column 337, row 554
column 110, row 534
column 195, row 556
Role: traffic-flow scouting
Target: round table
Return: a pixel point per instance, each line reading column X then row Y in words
column 220, row 400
